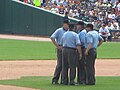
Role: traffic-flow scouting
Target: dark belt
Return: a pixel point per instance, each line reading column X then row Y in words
column 93, row 48
column 82, row 46
column 70, row 48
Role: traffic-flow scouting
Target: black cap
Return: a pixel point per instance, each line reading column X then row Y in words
column 80, row 23
column 66, row 13
column 90, row 25
column 71, row 26
column 66, row 22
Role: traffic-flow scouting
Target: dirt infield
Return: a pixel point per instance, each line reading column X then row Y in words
column 5, row 87
column 30, row 38
column 17, row 69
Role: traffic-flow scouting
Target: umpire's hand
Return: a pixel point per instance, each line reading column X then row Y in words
column 80, row 56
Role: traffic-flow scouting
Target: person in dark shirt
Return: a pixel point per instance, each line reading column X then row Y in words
column 66, row 16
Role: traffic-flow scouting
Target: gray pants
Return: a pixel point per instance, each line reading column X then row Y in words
column 90, row 69
column 81, row 67
column 68, row 61
column 58, row 68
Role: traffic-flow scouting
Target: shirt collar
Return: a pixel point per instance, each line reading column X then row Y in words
column 64, row 29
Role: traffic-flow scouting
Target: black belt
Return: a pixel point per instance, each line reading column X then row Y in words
column 82, row 46
column 70, row 48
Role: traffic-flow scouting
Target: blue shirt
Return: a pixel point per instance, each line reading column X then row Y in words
column 70, row 39
column 82, row 36
column 92, row 37
column 57, row 35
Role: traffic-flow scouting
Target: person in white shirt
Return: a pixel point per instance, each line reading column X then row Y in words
column 116, row 27
column 115, row 24
column 71, row 13
column 113, row 16
column 75, row 13
column 104, row 32
column 110, row 27
column 105, row 1
column 118, row 6
column 54, row 9
column 100, row 17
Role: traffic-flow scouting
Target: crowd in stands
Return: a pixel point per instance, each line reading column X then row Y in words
column 97, row 12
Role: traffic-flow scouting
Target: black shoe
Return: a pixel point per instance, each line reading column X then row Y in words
column 64, row 83
column 81, row 83
column 74, row 84
column 90, row 83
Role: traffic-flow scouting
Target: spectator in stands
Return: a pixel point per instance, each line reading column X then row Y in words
column 61, row 9
column 71, row 13
column 37, row 3
column 26, row 1
column 111, row 15
column 95, row 11
column 91, row 20
column 54, row 8
column 47, row 7
column 118, row 5
column 104, row 32
column 65, row 2
column 118, row 20
column 30, row 2
column 100, row 17
column 66, row 16
column 97, row 24
column 110, row 27
column 75, row 13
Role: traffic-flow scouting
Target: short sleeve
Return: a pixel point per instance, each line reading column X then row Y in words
column 89, row 38
column 82, row 36
column 77, row 40
column 55, row 35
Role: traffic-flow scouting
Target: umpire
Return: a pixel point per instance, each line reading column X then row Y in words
column 70, row 43
column 93, row 40
column 56, row 39
column 81, row 67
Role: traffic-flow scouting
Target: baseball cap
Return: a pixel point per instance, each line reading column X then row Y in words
column 80, row 23
column 71, row 26
column 66, row 22
column 89, row 25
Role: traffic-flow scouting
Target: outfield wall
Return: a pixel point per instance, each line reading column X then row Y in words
column 2, row 13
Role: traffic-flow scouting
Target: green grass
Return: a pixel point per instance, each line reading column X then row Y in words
column 109, row 50
column 26, row 50
column 34, row 50
column 44, row 83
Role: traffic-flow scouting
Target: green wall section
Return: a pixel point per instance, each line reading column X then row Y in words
column 34, row 21
column 2, row 13
column 19, row 18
